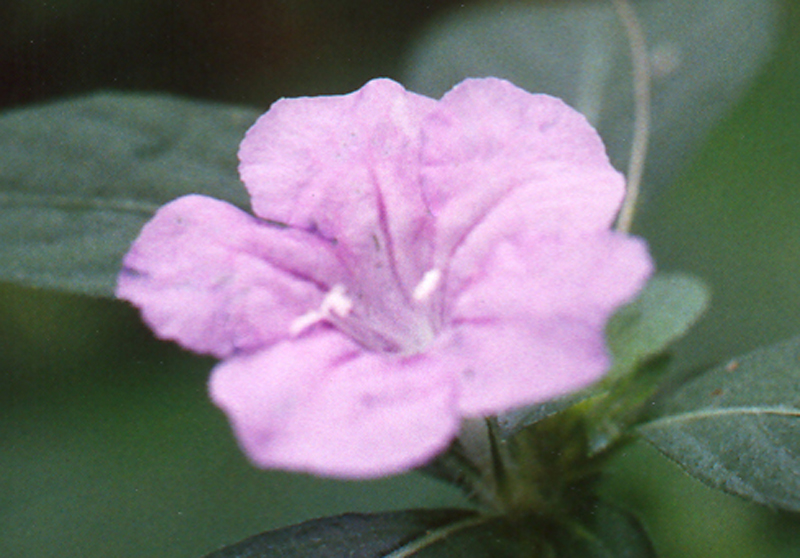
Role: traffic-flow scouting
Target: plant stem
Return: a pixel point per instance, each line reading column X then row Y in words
column 641, row 97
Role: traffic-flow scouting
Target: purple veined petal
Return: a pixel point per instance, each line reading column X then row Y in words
column 347, row 167
column 322, row 405
column 217, row 280
column 488, row 138
column 530, row 314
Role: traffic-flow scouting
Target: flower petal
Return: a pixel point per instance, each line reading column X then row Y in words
column 217, row 280
column 531, row 311
column 518, row 363
column 321, row 404
column 487, row 138
column 347, row 167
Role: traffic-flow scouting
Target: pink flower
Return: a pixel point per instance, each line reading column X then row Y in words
column 433, row 260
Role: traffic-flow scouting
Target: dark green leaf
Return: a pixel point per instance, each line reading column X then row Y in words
column 413, row 533
column 605, row 532
column 703, row 54
column 79, row 178
column 737, row 427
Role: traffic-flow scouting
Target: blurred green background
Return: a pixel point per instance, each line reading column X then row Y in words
column 108, row 443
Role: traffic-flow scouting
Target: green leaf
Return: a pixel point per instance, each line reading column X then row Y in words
column 605, row 532
column 413, row 533
column 79, row 178
column 664, row 311
column 703, row 55
column 737, row 427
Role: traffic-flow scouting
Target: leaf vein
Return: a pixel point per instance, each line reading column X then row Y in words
column 706, row 414
column 435, row 536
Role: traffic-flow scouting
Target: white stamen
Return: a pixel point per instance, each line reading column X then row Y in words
column 305, row 321
column 335, row 303
column 429, row 283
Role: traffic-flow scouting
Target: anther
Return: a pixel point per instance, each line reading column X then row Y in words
column 427, row 285
column 335, row 303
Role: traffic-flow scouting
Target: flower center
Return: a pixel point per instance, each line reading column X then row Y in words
column 407, row 329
